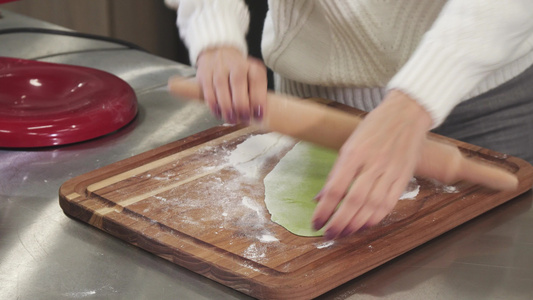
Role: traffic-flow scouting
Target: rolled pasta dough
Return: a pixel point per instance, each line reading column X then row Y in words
column 291, row 186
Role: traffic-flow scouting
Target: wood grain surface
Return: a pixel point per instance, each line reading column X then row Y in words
column 184, row 202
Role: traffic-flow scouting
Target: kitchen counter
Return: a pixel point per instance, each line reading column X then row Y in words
column 46, row 255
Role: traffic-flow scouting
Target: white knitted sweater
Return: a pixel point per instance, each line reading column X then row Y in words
column 439, row 52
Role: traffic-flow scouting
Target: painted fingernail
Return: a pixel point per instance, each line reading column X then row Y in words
column 217, row 111
column 318, row 224
column 231, row 118
column 330, row 234
column 245, row 117
column 346, row 232
column 258, row 113
column 363, row 228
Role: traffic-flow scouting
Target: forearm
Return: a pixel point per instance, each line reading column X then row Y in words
column 468, row 42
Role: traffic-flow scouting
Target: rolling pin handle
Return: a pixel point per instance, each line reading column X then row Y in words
column 187, row 88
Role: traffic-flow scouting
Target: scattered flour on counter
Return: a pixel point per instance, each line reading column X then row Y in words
column 80, row 294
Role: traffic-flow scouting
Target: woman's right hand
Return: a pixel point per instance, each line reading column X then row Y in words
column 234, row 85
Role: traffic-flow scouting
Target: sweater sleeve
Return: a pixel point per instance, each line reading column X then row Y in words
column 209, row 23
column 468, row 42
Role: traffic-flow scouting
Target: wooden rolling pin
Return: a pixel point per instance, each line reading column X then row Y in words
column 329, row 127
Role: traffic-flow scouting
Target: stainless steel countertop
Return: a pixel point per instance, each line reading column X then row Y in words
column 46, row 255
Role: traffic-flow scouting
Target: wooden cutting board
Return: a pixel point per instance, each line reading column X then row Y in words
column 185, row 203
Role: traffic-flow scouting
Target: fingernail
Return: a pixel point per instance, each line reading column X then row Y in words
column 346, row 232
column 245, row 117
column 363, row 228
column 330, row 234
column 258, row 113
column 217, row 111
column 231, row 118
column 318, row 224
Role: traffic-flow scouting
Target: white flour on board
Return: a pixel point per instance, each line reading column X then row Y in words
column 232, row 207
column 251, row 204
column 235, row 210
column 268, row 238
column 324, row 245
column 411, row 191
column 250, row 156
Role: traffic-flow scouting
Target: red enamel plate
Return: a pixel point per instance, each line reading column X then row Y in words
column 47, row 104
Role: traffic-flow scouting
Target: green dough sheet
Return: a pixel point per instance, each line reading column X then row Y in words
column 291, row 186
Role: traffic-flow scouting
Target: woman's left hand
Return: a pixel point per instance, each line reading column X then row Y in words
column 374, row 167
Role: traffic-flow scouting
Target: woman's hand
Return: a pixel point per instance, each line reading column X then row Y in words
column 234, row 86
column 373, row 168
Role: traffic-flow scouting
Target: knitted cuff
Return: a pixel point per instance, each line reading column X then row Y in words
column 217, row 23
column 172, row 4
column 437, row 78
